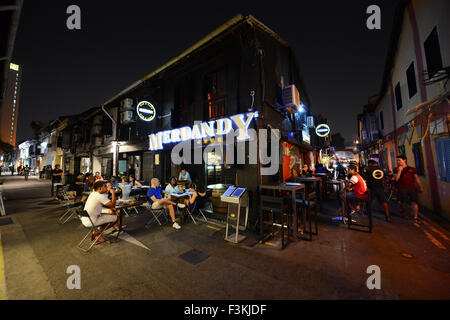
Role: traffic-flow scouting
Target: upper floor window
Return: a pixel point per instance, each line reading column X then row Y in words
column 398, row 96
column 411, row 78
column 433, row 52
column 215, row 88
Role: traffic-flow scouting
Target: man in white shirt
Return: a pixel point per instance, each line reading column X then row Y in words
column 101, row 210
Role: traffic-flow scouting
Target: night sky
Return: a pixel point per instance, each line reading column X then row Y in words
column 69, row 71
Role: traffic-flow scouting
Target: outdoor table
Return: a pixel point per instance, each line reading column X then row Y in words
column 120, row 206
column 339, row 184
column 292, row 188
column 317, row 185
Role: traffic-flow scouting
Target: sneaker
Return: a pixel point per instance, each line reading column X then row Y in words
column 181, row 206
column 176, row 226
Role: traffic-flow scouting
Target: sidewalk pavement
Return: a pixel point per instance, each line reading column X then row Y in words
column 197, row 263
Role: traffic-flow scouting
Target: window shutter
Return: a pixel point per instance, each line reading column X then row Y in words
column 446, row 147
column 443, row 156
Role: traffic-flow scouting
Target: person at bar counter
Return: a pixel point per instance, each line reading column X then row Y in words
column 157, row 202
column 134, row 182
column 306, row 171
column 101, row 210
column 408, row 185
column 56, row 176
column 374, row 176
column 184, row 175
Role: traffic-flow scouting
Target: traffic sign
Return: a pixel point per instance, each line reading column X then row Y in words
column 322, row 130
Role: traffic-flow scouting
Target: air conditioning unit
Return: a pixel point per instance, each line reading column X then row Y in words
column 310, row 121
column 126, row 104
column 291, row 98
column 126, row 117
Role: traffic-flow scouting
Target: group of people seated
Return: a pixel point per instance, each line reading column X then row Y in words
column 101, row 202
column 197, row 193
column 84, row 183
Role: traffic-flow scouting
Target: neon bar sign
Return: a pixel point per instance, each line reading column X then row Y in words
column 211, row 128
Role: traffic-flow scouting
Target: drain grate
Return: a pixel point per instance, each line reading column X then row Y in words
column 194, row 256
column 5, row 221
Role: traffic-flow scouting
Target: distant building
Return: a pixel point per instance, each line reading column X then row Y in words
column 10, row 107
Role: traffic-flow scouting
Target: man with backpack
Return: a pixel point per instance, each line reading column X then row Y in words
column 408, row 185
column 374, row 176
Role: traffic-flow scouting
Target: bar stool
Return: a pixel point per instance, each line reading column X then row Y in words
column 279, row 217
column 308, row 205
column 365, row 208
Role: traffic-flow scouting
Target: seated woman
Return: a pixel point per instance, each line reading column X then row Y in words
column 126, row 187
column 134, row 182
column 198, row 196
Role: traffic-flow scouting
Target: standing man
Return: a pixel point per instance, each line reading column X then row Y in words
column 56, row 176
column 12, row 170
column 374, row 176
column 26, row 172
column 408, row 185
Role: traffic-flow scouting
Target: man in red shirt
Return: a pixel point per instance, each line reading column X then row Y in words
column 359, row 187
column 408, row 185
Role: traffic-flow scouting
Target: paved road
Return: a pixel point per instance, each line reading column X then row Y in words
column 35, row 253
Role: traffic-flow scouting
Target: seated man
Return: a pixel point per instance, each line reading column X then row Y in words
column 157, row 202
column 101, row 210
column 184, row 175
column 359, row 188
